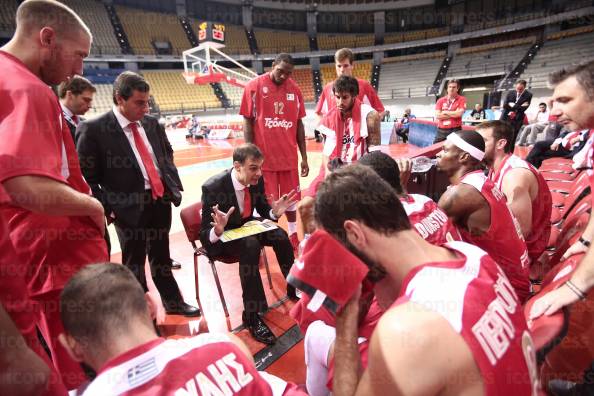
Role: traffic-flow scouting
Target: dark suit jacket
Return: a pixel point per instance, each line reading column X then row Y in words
column 517, row 108
column 219, row 190
column 111, row 169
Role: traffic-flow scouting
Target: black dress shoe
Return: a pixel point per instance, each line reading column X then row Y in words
column 175, row 265
column 181, row 308
column 258, row 329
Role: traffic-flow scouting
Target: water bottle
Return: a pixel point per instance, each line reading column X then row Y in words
column 422, row 164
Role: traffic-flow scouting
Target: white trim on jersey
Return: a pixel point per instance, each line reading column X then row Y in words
column 417, row 204
column 148, row 365
column 476, row 180
column 277, row 385
column 426, row 287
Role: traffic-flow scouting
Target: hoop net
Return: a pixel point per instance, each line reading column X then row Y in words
column 200, row 68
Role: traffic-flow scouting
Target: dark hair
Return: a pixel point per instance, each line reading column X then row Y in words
column 126, row 83
column 385, row 167
column 245, row 151
column 542, row 104
column 523, row 82
column 76, row 85
column 454, row 81
column 283, row 57
column 345, row 84
column 40, row 13
column 100, row 302
column 356, row 192
column 344, row 53
column 501, row 130
column 583, row 73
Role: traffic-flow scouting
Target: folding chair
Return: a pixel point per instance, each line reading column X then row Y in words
column 191, row 218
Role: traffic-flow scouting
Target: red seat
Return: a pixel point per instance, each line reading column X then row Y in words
column 557, row 161
column 566, row 186
column 191, row 218
column 548, row 175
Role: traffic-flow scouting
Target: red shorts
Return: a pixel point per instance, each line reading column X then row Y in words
column 277, row 184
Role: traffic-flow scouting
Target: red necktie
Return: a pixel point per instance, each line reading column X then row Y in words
column 157, row 188
column 74, row 119
column 247, row 204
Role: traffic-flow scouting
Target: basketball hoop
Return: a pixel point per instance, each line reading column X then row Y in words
column 199, row 68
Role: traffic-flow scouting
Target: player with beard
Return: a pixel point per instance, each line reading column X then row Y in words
column 440, row 302
column 351, row 129
column 479, row 209
column 527, row 193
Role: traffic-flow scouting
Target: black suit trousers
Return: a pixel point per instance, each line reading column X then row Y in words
column 248, row 250
column 150, row 236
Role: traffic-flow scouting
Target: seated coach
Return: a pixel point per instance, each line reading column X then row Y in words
column 228, row 201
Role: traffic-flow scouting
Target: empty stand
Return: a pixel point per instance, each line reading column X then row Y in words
column 276, row 41
column 95, row 16
column 144, row 28
column 233, row 92
column 361, row 70
column 398, row 37
column 172, row 93
column 409, row 76
column 561, row 49
column 489, row 60
column 336, row 41
column 7, row 15
column 303, row 77
column 103, row 100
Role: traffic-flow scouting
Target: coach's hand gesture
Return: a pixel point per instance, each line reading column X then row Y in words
column 279, row 207
column 219, row 219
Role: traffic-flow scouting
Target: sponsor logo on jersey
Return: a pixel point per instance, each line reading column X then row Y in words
column 277, row 123
column 265, row 90
column 348, row 140
column 290, row 96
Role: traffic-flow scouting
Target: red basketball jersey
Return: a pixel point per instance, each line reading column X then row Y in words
column 541, row 206
column 503, row 241
column 478, row 301
column 208, row 364
column 276, row 109
column 428, row 219
column 367, row 95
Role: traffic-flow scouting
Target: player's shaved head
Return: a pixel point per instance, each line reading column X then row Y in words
column 33, row 15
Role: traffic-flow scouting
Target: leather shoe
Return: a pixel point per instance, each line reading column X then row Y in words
column 258, row 329
column 559, row 387
column 181, row 308
column 175, row 265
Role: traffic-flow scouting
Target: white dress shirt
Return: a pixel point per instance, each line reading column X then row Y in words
column 124, row 122
column 68, row 114
column 240, row 191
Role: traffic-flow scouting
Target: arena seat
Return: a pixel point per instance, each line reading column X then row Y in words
column 103, row 100
column 336, row 41
column 486, row 62
column 277, row 41
column 171, row 92
column 361, row 70
column 304, row 78
column 191, row 218
column 233, row 92
column 95, row 16
column 144, row 27
column 398, row 37
column 409, row 76
column 564, row 186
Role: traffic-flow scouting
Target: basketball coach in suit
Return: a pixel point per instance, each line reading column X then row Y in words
column 228, row 201
column 124, row 158
column 514, row 107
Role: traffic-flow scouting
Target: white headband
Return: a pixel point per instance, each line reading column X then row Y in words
column 465, row 146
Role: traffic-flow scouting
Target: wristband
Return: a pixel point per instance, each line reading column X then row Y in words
column 585, row 242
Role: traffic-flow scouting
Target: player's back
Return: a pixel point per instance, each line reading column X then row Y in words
column 203, row 365
column 428, row 219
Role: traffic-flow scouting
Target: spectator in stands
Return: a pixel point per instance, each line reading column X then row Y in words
column 479, row 209
column 76, row 97
column 363, row 212
column 567, row 145
column 449, row 111
column 527, row 193
column 127, row 159
column 401, row 127
column 108, row 325
column 528, row 133
column 346, row 135
column 344, row 60
column 478, row 113
column 272, row 106
column 514, row 107
column 55, row 225
column 229, row 199
column 573, row 103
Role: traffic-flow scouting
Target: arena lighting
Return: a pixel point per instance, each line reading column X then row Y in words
column 473, row 89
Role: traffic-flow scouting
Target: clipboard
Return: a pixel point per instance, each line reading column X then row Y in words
column 250, row 228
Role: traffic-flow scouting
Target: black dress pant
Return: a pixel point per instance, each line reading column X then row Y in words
column 150, row 236
column 542, row 151
column 248, row 250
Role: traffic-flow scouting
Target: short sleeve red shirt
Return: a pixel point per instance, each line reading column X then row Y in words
column 36, row 142
column 444, row 104
column 276, row 111
column 367, row 95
